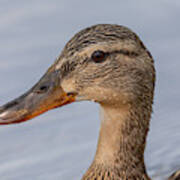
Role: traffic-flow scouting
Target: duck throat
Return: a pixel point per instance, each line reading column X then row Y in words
column 122, row 140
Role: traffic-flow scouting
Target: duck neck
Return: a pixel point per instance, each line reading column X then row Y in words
column 122, row 141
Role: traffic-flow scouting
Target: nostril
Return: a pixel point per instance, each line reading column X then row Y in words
column 43, row 88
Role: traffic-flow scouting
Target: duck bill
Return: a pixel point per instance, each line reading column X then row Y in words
column 45, row 95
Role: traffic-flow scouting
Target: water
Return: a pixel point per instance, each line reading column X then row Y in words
column 61, row 143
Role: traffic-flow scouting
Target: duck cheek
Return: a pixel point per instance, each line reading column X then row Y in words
column 90, row 94
column 68, row 85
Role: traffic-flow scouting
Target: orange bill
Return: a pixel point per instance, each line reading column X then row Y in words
column 45, row 95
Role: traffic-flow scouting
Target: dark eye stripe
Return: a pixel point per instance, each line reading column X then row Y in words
column 99, row 56
column 125, row 52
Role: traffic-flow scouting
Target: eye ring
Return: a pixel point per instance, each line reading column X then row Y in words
column 98, row 56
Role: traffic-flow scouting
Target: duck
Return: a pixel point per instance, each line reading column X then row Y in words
column 110, row 65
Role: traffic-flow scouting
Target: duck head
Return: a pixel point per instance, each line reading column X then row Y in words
column 105, row 63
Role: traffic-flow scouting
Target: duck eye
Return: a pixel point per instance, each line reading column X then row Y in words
column 98, row 56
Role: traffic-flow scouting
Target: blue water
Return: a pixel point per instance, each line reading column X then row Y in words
column 61, row 143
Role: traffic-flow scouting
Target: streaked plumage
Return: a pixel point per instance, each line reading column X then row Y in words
column 122, row 81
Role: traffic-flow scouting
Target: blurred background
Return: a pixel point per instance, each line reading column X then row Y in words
column 61, row 143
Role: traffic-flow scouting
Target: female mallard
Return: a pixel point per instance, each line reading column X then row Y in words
column 110, row 65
